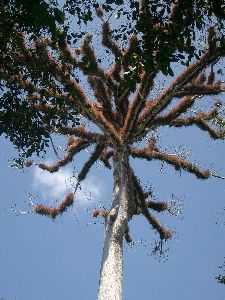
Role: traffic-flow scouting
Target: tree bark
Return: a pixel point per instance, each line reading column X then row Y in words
column 111, row 274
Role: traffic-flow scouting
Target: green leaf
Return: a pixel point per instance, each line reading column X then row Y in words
column 59, row 16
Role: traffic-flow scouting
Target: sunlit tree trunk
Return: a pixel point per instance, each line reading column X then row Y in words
column 110, row 284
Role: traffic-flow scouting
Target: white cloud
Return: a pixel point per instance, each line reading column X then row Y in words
column 54, row 186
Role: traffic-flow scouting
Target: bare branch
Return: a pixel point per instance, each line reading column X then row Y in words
column 53, row 147
column 217, row 176
column 79, row 97
column 114, row 72
column 66, row 51
column 186, row 103
column 130, row 51
column 103, row 95
column 91, row 65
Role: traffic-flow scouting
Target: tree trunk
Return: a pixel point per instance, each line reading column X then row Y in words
column 111, row 275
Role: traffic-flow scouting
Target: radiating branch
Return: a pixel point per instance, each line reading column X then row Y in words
column 100, row 212
column 130, row 51
column 200, row 120
column 75, row 147
column 142, row 207
column 174, row 160
column 78, row 131
column 193, row 90
column 175, row 112
column 90, row 66
column 164, row 232
column 105, row 157
column 137, row 104
column 121, row 99
column 182, row 107
column 66, row 51
column 53, row 212
column 93, row 158
column 80, row 98
column 157, row 206
column 108, row 41
column 189, row 73
column 102, row 94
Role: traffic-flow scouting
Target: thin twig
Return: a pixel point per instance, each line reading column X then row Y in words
column 53, row 147
column 217, row 176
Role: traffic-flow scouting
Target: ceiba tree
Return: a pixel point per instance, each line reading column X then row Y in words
column 39, row 77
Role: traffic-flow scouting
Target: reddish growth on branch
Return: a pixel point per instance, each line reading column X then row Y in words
column 55, row 211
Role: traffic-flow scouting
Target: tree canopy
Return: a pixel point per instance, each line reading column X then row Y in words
column 167, row 32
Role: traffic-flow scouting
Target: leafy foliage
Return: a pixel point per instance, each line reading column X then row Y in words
column 33, row 16
column 18, row 120
column 169, row 32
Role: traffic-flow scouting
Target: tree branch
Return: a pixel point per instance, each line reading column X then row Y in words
column 105, row 156
column 180, row 108
column 157, row 206
column 79, row 131
column 102, row 95
column 200, row 120
column 90, row 65
column 165, row 98
column 164, row 232
column 73, row 148
column 79, row 97
column 93, row 158
column 202, row 90
column 137, row 104
column 108, row 42
column 174, row 160
column 53, row 212
column 142, row 205
column 186, row 103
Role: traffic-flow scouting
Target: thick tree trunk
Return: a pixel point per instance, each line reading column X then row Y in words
column 111, row 275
